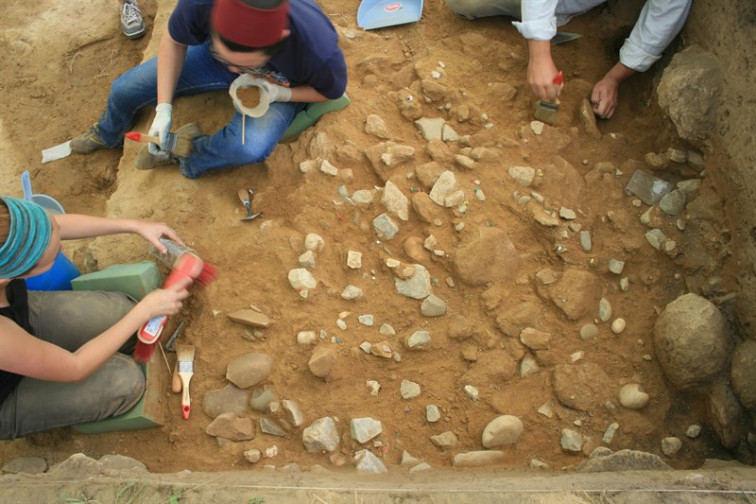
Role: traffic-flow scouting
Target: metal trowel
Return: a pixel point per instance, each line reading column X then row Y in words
column 245, row 196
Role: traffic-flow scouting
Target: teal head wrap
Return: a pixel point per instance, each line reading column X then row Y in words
column 28, row 237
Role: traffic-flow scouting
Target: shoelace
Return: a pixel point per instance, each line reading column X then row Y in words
column 131, row 13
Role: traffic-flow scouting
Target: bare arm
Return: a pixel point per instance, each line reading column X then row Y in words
column 306, row 94
column 24, row 354
column 542, row 70
column 76, row 226
column 171, row 56
column 605, row 95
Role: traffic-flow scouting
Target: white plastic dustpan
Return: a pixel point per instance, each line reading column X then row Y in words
column 374, row 14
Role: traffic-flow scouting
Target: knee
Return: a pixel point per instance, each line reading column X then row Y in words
column 127, row 383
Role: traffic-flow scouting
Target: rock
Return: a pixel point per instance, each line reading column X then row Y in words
column 232, row 427
column 424, row 207
column 428, row 173
column 250, row 317
column 385, row 228
column 302, row 280
column 422, row 466
column 689, row 92
column 575, row 293
column 632, row 397
column 229, row 399
column 604, row 310
column 321, row 435
column 690, row 342
column 503, row 430
column 433, row 306
column 409, row 389
column 418, row 286
column 365, row 429
column 608, row 436
column 444, row 186
column 673, row 203
column 588, row 332
column 478, row 458
column 581, row 386
column 26, row 465
column 535, row 339
column 432, row 413
column 743, row 373
column 489, row 256
column 616, row 266
column 571, row 441
column 354, row 259
column 724, row 414
column 77, row 467
column 523, row 175
column 395, row 201
column 365, row 461
column 272, row 427
column 588, row 119
column 618, row 325
column 321, row 362
column 249, row 369
column 374, row 125
column 419, row 339
column 693, row 431
column 351, row 293
column 670, row 446
column 430, row 127
column 624, row 460
column 253, row 456
column 261, row 398
column 445, row 440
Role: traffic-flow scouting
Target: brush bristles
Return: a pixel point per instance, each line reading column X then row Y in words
column 143, row 352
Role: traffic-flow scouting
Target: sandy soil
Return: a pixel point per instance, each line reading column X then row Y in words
column 55, row 85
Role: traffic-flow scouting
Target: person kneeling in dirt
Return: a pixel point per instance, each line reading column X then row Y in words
column 658, row 24
column 59, row 360
column 290, row 46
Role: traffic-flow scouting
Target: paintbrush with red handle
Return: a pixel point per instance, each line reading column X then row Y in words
column 177, row 143
column 187, row 265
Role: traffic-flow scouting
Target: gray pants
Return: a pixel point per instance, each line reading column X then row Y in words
column 472, row 9
column 69, row 319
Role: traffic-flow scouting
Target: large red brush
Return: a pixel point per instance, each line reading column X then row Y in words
column 187, row 265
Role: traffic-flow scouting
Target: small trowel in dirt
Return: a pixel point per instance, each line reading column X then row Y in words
column 245, row 196
column 564, row 37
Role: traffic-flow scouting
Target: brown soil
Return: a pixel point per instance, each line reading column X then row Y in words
column 249, row 96
column 53, row 91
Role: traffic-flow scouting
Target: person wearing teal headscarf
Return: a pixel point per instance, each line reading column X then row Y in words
column 60, row 360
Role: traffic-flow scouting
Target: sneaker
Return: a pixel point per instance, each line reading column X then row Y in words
column 88, row 142
column 145, row 160
column 132, row 23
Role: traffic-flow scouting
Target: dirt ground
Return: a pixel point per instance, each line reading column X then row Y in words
column 55, row 84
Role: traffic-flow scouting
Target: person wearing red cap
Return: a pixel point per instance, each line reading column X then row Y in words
column 290, row 45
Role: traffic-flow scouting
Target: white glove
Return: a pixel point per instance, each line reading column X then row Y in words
column 275, row 92
column 161, row 126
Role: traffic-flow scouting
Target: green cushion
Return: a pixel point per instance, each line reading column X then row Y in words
column 312, row 113
column 136, row 280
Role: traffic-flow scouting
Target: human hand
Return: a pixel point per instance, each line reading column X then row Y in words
column 161, row 126
column 604, row 97
column 153, row 231
column 276, row 93
column 542, row 71
column 166, row 301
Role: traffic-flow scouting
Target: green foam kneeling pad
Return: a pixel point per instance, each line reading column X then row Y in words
column 137, row 280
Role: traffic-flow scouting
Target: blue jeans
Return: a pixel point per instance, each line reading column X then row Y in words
column 137, row 88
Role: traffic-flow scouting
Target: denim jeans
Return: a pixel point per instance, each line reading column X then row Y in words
column 69, row 319
column 137, row 88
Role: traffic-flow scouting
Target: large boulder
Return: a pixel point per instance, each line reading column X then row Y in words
column 690, row 342
column 689, row 92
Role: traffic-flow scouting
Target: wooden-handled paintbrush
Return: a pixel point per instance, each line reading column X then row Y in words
column 185, row 359
column 178, row 143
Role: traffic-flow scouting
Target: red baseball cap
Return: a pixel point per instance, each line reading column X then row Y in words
column 261, row 25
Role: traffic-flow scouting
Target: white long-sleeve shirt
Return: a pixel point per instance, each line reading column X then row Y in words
column 659, row 22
